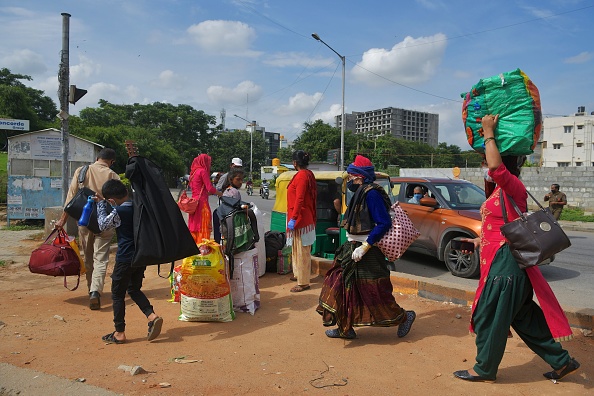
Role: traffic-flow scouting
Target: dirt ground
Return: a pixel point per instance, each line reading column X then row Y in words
column 281, row 349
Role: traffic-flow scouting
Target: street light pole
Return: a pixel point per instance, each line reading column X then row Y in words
column 252, row 124
column 342, row 120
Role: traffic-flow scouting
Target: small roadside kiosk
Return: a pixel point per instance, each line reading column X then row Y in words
column 35, row 171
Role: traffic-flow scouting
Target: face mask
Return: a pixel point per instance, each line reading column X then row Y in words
column 352, row 186
column 418, row 196
column 486, row 175
column 553, row 191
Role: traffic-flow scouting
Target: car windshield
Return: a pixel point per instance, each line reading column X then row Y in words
column 385, row 183
column 461, row 195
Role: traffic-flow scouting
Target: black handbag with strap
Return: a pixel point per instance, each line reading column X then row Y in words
column 74, row 208
column 532, row 237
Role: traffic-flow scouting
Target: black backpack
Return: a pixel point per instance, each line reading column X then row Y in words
column 275, row 241
column 239, row 228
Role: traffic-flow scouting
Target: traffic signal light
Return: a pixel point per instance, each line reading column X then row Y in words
column 75, row 94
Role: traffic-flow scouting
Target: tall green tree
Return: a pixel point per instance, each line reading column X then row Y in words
column 228, row 145
column 22, row 102
column 149, row 144
column 319, row 137
column 188, row 130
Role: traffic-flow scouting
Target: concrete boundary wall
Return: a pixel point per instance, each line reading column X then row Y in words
column 576, row 182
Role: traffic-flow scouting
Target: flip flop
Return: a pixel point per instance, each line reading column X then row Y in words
column 110, row 339
column 299, row 288
column 154, row 328
column 404, row 327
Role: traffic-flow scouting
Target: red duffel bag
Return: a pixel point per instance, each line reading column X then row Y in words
column 55, row 257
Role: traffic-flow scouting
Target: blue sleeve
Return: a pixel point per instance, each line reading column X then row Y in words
column 107, row 221
column 379, row 215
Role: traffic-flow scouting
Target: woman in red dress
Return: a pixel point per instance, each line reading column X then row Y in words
column 504, row 296
column 200, row 222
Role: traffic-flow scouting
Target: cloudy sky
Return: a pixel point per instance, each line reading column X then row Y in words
column 257, row 59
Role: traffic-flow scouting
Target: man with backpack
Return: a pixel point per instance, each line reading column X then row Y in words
column 95, row 247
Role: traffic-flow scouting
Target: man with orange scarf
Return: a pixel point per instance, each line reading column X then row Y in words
column 200, row 222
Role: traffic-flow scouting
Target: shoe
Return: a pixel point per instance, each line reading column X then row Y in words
column 154, row 328
column 293, row 279
column 404, row 327
column 299, row 288
column 466, row 376
column 95, row 300
column 110, row 338
column 572, row 366
column 335, row 333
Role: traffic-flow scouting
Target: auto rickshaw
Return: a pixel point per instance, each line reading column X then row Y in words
column 331, row 186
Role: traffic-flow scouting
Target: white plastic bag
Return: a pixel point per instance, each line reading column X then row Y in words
column 261, row 244
column 245, row 290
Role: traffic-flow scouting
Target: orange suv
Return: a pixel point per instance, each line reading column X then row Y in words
column 447, row 209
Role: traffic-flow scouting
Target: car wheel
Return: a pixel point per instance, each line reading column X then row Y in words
column 462, row 265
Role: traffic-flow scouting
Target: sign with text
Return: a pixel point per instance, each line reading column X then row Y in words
column 46, row 147
column 14, row 125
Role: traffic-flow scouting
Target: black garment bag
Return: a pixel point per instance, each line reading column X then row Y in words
column 160, row 232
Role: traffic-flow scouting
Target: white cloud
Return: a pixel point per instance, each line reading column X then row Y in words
column 451, row 127
column 411, row 61
column 299, row 103
column 50, row 87
column 110, row 92
column 288, row 59
column 169, row 80
column 431, row 4
column 24, row 61
column 539, row 12
column 582, row 57
column 224, row 37
column 84, row 69
column 328, row 116
column 239, row 95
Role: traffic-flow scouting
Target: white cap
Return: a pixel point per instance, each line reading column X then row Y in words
column 237, row 162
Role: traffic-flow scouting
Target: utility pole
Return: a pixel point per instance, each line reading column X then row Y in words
column 63, row 90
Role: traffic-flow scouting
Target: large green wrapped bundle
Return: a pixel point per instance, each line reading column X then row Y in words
column 516, row 99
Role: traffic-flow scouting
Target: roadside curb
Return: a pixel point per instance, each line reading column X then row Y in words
column 582, row 318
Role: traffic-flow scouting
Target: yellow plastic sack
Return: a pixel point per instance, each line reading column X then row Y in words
column 74, row 246
column 205, row 290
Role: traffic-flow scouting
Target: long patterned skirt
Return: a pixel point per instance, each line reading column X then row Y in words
column 359, row 294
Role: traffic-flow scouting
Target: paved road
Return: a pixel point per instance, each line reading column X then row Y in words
column 571, row 275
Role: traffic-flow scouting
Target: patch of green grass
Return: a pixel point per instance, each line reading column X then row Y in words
column 25, row 225
column 575, row 214
column 3, row 176
column 2, row 263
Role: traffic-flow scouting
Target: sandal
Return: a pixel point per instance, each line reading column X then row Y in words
column 572, row 366
column 110, row 339
column 335, row 333
column 405, row 326
column 293, row 278
column 299, row 288
column 154, row 328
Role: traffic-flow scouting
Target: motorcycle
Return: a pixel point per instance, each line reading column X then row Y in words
column 250, row 190
column 264, row 191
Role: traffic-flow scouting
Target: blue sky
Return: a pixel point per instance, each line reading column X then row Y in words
column 257, row 59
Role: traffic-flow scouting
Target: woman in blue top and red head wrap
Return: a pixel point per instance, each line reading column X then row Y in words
column 357, row 290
